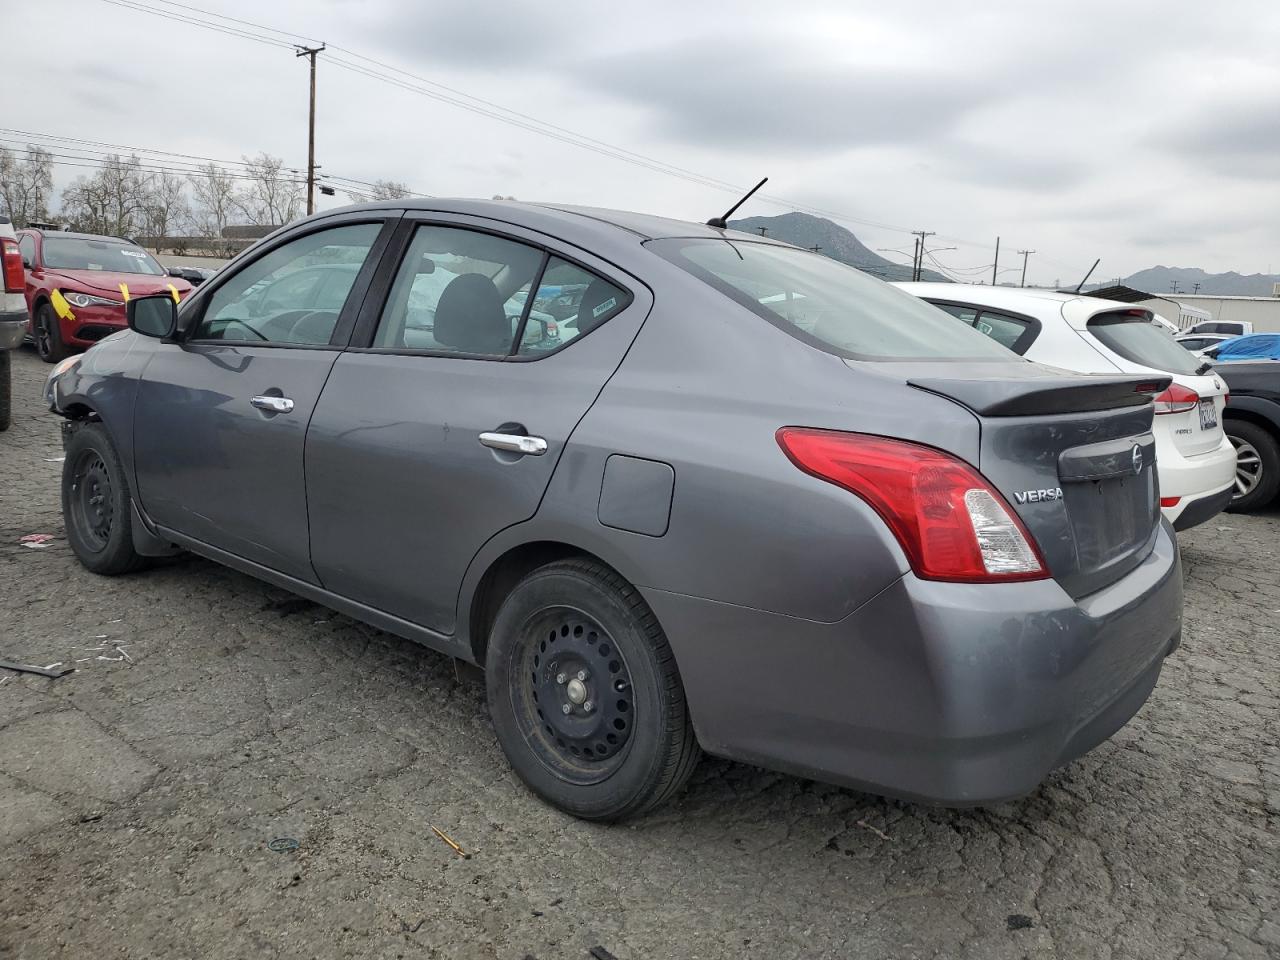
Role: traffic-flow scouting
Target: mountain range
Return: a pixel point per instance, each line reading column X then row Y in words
column 1160, row 280
column 836, row 242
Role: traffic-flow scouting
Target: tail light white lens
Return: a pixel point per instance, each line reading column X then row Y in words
column 15, row 277
column 1176, row 399
column 952, row 524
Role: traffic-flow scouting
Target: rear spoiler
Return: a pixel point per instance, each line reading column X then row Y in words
column 1021, row 397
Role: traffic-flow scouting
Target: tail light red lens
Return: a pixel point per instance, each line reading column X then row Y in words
column 952, row 524
column 1170, row 501
column 15, row 277
column 1176, row 399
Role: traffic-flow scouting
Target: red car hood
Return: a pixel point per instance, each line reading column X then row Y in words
column 106, row 282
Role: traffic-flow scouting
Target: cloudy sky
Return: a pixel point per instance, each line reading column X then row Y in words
column 1140, row 132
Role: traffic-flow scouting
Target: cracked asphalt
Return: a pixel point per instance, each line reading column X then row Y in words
column 210, row 713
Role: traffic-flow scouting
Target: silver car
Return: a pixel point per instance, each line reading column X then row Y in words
column 747, row 500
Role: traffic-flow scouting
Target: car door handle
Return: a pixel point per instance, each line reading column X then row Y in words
column 273, row 404
column 515, row 443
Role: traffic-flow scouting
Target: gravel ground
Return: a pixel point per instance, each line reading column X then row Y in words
column 211, row 713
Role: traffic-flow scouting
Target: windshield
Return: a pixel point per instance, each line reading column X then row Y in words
column 827, row 304
column 1134, row 337
column 92, row 253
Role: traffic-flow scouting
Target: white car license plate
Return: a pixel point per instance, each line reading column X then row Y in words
column 1208, row 414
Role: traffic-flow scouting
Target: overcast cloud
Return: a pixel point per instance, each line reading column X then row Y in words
column 1140, row 132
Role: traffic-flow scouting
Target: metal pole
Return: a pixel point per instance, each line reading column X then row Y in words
column 1025, row 254
column 311, row 129
column 995, row 267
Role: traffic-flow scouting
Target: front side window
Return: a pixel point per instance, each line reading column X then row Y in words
column 27, row 247
column 99, row 253
column 1134, row 337
column 293, row 294
column 827, row 304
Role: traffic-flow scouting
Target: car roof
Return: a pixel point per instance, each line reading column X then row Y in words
column 1018, row 299
column 78, row 236
column 578, row 220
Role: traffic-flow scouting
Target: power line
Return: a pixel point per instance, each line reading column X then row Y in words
column 515, row 118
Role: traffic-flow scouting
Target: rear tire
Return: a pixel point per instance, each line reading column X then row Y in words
column 6, row 389
column 1257, row 465
column 575, row 635
column 48, row 334
column 96, row 503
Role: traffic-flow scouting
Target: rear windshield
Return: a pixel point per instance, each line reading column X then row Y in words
column 827, row 304
column 1137, row 339
column 83, row 253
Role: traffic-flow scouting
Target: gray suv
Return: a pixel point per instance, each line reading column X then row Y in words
column 746, row 500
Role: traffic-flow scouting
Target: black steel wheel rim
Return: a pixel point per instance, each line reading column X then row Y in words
column 572, row 695
column 92, row 510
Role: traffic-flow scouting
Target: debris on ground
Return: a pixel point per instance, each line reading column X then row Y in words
column 600, row 953
column 449, row 840
column 876, row 830
column 283, row 844
column 54, row 670
column 36, row 541
column 1019, row 921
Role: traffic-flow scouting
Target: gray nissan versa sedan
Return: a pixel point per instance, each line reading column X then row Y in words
column 728, row 495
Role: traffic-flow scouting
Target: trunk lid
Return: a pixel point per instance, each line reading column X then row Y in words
column 1074, row 455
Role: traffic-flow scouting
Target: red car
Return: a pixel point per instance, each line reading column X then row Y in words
column 77, row 285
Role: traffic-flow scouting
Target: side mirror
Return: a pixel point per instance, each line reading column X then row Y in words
column 26, row 264
column 153, row 316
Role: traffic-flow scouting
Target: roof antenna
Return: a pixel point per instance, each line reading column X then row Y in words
column 722, row 223
column 1088, row 275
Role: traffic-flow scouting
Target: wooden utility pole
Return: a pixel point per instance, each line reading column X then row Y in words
column 995, row 267
column 917, row 269
column 1025, row 254
column 311, row 129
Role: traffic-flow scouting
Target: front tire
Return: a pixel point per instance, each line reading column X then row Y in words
column 1257, row 465
column 96, row 503
column 48, row 334
column 585, row 696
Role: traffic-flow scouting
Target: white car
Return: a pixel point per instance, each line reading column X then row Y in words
column 1196, row 462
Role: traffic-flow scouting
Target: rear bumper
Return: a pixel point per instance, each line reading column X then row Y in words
column 13, row 328
column 1192, row 511
column 1192, row 479
column 946, row 693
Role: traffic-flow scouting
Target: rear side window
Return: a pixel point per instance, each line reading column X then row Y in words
column 467, row 292
column 1134, row 337
column 827, row 304
column 1013, row 333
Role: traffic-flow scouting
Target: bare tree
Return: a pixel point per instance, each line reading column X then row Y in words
column 26, row 184
column 274, row 196
column 382, row 190
column 214, row 190
column 112, row 201
column 165, row 209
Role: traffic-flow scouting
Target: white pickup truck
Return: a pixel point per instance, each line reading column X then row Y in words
column 13, row 312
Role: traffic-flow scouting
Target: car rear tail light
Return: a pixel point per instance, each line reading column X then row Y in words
column 1170, row 501
column 952, row 524
column 15, row 277
column 1176, row 399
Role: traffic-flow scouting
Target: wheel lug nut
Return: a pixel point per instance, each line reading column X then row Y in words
column 582, row 675
column 565, row 708
column 588, row 706
column 561, row 678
